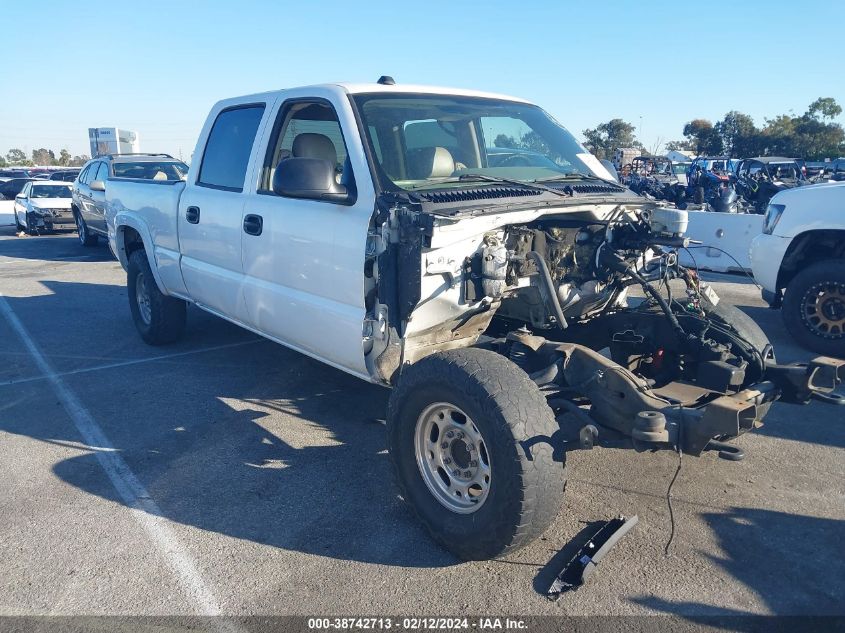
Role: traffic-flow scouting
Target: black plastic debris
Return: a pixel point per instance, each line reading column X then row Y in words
column 579, row 569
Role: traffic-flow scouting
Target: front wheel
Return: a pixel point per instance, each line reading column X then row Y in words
column 470, row 438
column 160, row 319
column 86, row 238
column 814, row 307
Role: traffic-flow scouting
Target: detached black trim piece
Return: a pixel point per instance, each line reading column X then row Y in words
column 579, row 569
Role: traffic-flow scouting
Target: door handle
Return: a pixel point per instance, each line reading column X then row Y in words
column 192, row 215
column 253, row 224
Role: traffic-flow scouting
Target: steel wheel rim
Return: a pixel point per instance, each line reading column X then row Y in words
column 142, row 298
column 452, row 458
column 823, row 309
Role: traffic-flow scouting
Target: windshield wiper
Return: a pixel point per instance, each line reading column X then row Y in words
column 578, row 175
column 535, row 184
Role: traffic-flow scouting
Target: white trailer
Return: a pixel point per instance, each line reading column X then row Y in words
column 112, row 140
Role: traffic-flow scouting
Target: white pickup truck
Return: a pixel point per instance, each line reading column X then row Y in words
column 799, row 260
column 465, row 249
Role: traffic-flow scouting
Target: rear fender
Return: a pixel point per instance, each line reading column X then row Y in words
column 121, row 223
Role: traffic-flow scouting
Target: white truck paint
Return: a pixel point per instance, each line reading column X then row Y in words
column 801, row 246
column 316, row 218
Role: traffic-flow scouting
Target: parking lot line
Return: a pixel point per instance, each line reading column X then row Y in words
column 145, row 511
column 125, row 363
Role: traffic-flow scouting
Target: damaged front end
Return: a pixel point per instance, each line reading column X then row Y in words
column 678, row 415
column 549, row 287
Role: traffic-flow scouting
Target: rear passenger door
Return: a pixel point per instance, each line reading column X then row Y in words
column 211, row 209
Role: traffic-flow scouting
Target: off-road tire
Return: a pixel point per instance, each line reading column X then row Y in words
column 829, row 271
column 167, row 315
column 86, row 238
column 527, row 483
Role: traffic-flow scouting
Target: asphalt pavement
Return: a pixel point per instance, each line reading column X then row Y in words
column 227, row 474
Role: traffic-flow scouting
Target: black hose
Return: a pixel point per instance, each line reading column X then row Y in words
column 620, row 266
column 551, row 292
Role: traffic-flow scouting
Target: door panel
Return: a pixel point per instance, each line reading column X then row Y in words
column 211, row 211
column 211, row 249
column 304, row 276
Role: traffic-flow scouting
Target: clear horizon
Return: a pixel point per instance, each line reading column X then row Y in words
column 158, row 70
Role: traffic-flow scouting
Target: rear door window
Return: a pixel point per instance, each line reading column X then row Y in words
column 229, row 146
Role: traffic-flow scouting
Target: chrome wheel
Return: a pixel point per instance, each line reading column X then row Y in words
column 142, row 297
column 452, row 458
column 823, row 309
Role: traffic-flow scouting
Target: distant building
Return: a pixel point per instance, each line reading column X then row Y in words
column 111, row 140
column 680, row 156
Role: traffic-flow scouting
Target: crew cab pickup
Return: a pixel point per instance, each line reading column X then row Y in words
column 799, row 260
column 464, row 249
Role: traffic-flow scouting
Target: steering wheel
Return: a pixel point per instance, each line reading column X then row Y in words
column 516, row 160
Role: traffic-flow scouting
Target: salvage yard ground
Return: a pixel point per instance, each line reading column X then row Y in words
column 229, row 474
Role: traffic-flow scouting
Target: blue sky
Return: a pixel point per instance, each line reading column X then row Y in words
column 157, row 67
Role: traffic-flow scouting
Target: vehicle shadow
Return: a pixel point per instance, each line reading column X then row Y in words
column 791, row 561
column 253, row 442
column 58, row 246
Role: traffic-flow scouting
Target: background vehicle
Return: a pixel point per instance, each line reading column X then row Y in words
column 65, row 175
column 706, row 174
column 43, row 205
column 799, row 260
column 373, row 227
column 89, row 188
column 758, row 179
column 12, row 187
column 657, row 176
column 13, row 173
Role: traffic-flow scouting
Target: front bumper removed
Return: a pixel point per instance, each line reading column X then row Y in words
column 681, row 415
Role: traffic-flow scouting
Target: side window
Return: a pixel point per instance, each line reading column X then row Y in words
column 26, row 188
column 306, row 129
column 83, row 177
column 102, row 173
column 228, row 148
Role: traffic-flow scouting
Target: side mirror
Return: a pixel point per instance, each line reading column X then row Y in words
column 611, row 168
column 311, row 178
column 97, row 185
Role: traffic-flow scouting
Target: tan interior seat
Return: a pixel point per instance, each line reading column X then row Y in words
column 430, row 162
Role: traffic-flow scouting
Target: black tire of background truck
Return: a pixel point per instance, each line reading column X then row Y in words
column 698, row 195
column 167, row 315
column 830, row 271
column 86, row 238
column 526, row 486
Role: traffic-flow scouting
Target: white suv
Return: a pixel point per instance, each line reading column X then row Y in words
column 799, row 260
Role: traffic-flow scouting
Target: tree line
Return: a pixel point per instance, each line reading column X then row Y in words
column 42, row 157
column 813, row 135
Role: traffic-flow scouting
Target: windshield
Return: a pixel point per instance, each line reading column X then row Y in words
column 680, row 168
column 784, row 171
column 422, row 141
column 50, row 191
column 151, row 170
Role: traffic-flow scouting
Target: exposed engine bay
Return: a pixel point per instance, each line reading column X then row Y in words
column 673, row 367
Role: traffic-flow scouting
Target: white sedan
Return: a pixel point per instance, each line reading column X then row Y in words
column 43, row 205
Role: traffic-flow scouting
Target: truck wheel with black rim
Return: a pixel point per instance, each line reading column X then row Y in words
column 86, row 238
column 814, row 307
column 470, row 438
column 160, row 319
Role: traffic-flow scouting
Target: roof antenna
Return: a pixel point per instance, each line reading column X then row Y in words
column 386, row 80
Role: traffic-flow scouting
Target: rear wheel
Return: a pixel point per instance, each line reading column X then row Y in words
column 470, row 440
column 814, row 307
column 86, row 238
column 160, row 319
